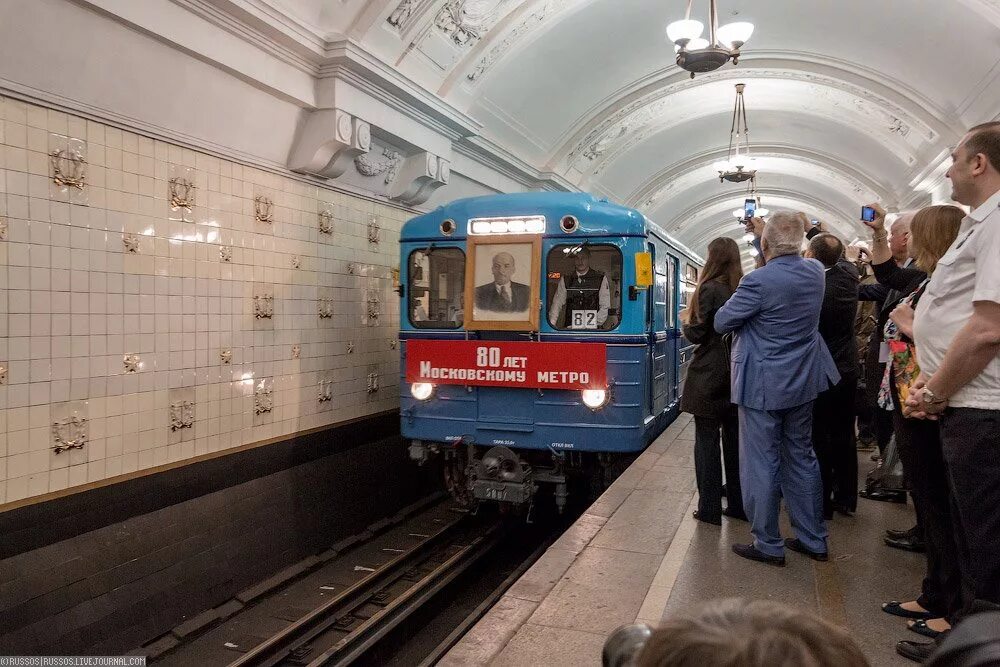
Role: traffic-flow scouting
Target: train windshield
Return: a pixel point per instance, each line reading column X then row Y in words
column 584, row 287
column 436, row 284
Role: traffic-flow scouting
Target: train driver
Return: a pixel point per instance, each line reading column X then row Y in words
column 583, row 295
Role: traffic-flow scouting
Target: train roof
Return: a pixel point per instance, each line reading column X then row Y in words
column 597, row 216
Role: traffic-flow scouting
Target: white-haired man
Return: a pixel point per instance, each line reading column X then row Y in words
column 779, row 365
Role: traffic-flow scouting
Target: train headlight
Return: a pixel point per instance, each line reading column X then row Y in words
column 422, row 390
column 595, row 398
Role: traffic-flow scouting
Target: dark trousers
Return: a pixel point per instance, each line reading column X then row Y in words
column 971, row 442
column 920, row 449
column 833, row 440
column 708, row 467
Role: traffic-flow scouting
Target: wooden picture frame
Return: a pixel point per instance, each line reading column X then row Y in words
column 486, row 304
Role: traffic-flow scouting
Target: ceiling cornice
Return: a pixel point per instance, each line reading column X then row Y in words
column 656, row 183
column 848, row 77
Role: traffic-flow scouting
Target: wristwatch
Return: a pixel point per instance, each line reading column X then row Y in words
column 929, row 396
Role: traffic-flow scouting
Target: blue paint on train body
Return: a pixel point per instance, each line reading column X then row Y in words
column 646, row 353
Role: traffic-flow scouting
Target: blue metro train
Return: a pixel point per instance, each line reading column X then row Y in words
column 540, row 340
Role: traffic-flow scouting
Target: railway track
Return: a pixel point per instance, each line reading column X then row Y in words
column 338, row 610
column 346, row 626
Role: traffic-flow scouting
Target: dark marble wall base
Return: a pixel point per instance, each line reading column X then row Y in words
column 105, row 570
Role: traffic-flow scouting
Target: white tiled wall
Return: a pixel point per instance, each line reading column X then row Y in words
column 74, row 302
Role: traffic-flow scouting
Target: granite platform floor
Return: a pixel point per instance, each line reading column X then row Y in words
column 638, row 555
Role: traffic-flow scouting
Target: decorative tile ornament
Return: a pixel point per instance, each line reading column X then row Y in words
column 181, row 415
column 374, row 231
column 352, row 269
column 296, row 351
column 226, row 253
column 3, row 374
column 263, row 397
column 325, row 391
column 131, row 243
column 296, row 262
column 181, row 192
column 372, row 386
column 263, row 209
column 350, row 348
column 68, row 161
column 132, row 363
column 70, row 432
column 326, row 221
column 226, row 355
column 3, row 229
column 325, row 308
column 393, row 344
column 263, row 306
column 374, row 308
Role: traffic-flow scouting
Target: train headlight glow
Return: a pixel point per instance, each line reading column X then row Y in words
column 532, row 224
column 595, row 398
column 422, row 390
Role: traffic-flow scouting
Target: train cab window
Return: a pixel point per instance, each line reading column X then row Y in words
column 436, row 285
column 584, row 287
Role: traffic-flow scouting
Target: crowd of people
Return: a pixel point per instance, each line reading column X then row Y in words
column 782, row 380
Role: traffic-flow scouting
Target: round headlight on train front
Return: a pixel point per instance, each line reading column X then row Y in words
column 422, row 390
column 595, row 398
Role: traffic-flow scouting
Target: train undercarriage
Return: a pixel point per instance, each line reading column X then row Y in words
column 476, row 473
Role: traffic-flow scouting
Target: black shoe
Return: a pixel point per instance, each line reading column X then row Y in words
column 916, row 651
column 901, row 534
column 886, row 496
column 896, row 609
column 750, row 552
column 732, row 514
column 906, row 544
column 715, row 522
column 795, row 545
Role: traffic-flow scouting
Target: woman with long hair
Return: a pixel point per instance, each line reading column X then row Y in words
column 706, row 392
column 932, row 232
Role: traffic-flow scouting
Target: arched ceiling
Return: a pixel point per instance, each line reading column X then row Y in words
column 847, row 101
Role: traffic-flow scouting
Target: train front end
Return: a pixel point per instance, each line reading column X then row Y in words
column 525, row 356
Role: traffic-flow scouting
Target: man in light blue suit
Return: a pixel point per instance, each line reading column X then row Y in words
column 779, row 364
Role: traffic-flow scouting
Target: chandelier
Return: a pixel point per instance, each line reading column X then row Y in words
column 697, row 54
column 739, row 166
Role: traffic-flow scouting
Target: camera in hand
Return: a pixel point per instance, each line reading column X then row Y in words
column 867, row 214
column 749, row 208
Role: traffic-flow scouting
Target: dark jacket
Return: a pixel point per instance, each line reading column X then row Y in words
column 706, row 388
column 488, row 298
column 836, row 319
column 899, row 282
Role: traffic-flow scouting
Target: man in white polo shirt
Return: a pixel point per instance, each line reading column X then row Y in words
column 957, row 334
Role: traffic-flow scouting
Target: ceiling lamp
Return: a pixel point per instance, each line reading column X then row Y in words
column 739, row 166
column 697, row 54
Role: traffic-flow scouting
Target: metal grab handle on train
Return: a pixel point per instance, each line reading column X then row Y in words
column 623, row 646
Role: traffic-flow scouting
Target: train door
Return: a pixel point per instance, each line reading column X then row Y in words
column 673, row 330
column 660, row 360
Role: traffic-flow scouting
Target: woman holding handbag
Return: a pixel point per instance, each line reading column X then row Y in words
column 932, row 232
column 706, row 392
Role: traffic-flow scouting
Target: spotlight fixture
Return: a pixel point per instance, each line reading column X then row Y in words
column 738, row 167
column 696, row 54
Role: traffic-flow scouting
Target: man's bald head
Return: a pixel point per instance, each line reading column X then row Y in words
column 827, row 248
column 503, row 268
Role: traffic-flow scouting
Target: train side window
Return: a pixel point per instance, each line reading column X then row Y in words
column 584, row 287
column 436, row 288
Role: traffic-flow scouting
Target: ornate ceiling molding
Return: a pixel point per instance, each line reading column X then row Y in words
column 654, row 189
column 890, row 106
column 720, row 205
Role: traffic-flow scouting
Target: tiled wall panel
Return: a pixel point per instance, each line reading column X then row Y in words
column 152, row 332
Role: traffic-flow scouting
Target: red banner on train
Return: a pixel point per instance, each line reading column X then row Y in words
column 507, row 364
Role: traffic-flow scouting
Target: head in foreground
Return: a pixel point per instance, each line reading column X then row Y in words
column 738, row 633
